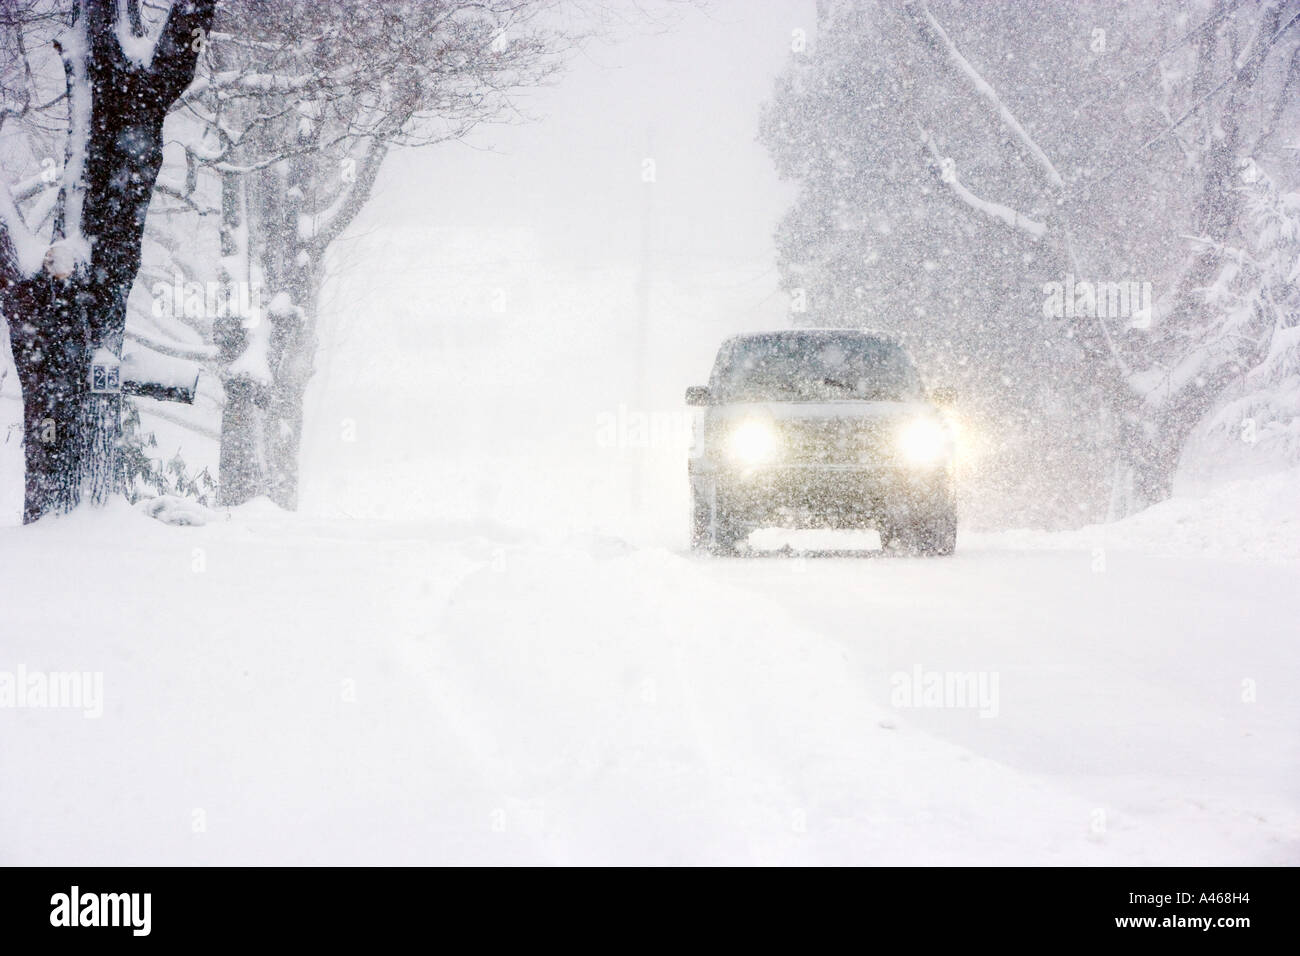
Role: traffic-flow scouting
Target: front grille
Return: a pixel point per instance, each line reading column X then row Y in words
column 833, row 441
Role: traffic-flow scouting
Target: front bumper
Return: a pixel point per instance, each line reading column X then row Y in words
column 822, row 496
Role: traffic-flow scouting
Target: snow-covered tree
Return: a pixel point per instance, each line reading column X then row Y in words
column 1254, row 316
column 69, row 259
column 297, row 106
column 958, row 161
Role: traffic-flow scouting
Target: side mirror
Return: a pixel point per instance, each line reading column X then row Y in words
column 943, row 396
column 697, row 395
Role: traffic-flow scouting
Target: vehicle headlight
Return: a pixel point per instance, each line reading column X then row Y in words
column 923, row 442
column 753, row 443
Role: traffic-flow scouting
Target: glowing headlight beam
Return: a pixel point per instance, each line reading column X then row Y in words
column 753, row 443
column 924, row 441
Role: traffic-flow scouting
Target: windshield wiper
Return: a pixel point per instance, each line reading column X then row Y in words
column 838, row 383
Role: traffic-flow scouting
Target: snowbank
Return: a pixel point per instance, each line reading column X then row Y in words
column 1255, row 519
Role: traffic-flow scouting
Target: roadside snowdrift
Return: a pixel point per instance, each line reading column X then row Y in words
column 1251, row 519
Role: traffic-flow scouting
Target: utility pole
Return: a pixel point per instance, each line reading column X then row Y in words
column 641, row 338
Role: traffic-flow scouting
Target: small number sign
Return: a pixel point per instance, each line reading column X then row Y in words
column 105, row 373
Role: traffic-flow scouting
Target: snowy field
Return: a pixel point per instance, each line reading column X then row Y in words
column 483, row 641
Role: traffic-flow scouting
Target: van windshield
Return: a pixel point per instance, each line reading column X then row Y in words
column 813, row 367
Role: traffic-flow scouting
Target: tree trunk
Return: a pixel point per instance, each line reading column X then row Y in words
column 70, row 435
column 59, row 316
column 261, row 425
column 294, row 345
column 242, row 472
column 266, row 368
column 284, row 427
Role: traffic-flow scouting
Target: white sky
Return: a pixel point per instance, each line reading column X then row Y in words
column 689, row 98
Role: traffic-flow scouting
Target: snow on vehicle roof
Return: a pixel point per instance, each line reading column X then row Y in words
column 814, row 333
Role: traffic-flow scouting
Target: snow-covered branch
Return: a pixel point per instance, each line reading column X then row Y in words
column 230, row 83
column 1005, row 214
column 937, row 38
column 176, row 52
column 1245, row 75
column 321, row 228
column 74, row 47
column 21, row 250
column 132, row 37
column 191, row 353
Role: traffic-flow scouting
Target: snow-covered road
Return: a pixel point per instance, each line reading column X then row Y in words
column 1158, row 689
column 278, row 689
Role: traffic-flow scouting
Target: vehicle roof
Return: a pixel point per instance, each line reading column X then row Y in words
column 814, row 333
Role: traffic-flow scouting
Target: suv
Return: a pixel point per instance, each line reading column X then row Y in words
column 820, row 428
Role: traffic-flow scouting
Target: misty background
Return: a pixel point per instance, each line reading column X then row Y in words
column 505, row 328
column 541, row 250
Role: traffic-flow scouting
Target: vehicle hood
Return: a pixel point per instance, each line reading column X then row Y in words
column 820, row 411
